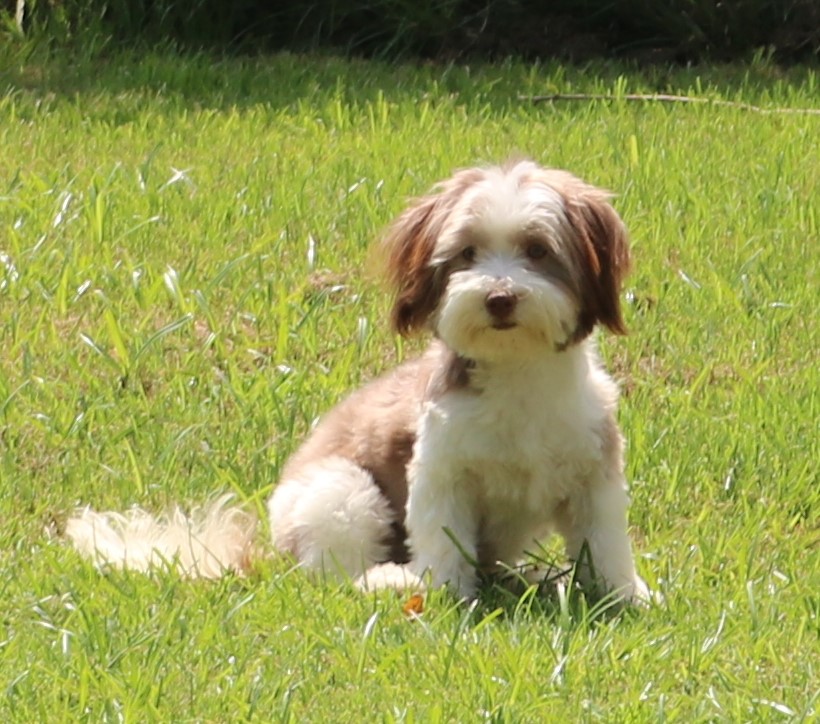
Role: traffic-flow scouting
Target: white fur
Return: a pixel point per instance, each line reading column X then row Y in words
column 500, row 206
column 525, row 456
column 545, row 313
column 212, row 540
column 510, row 467
column 390, row 575
column 336, row 513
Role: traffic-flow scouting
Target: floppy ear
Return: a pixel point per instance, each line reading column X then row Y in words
column 410, row 243
column 604, row 256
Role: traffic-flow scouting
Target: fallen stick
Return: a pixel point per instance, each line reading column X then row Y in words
column 663, row 98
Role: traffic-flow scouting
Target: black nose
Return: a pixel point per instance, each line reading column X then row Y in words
column 500, row 304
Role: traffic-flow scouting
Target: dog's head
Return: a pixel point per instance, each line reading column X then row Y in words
column 507, row 260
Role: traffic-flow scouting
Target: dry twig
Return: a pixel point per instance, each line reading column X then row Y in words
column 664, row 98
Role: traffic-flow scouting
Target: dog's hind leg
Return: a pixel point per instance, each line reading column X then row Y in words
column 331, row 516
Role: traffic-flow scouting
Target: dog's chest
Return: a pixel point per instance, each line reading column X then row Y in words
column 515, row 442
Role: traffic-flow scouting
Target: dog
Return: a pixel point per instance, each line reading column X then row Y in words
column 458, row 462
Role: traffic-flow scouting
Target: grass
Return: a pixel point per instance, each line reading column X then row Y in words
column 182, row 246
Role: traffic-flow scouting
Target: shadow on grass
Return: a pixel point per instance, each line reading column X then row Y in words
column 186, row 80
column 568, row 608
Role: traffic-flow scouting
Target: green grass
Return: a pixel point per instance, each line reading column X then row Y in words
column 183, row 246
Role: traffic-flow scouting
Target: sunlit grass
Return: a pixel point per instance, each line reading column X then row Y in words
column 184, row 287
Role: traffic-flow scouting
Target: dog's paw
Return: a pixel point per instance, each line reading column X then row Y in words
column 390, row 575
column 640, row 591
column 643, row 596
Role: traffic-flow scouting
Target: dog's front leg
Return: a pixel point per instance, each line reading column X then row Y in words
column 442, row 530
column 595, row 531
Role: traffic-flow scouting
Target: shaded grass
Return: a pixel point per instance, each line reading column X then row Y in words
column 182, row 246
column 683, row 30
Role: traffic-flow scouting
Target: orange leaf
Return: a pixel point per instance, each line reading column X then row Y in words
column 413, row 606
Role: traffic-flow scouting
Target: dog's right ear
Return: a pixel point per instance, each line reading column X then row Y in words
column 418, row 283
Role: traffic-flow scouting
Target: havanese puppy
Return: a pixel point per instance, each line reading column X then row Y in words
column 460, row 461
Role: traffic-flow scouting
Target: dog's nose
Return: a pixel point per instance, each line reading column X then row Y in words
column 500, row 304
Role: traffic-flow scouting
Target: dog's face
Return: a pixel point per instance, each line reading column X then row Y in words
column 509, row 261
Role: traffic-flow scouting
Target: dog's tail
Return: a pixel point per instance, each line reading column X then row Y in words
column 206, row 543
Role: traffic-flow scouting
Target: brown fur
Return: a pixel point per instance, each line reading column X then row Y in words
column 605, row 244
column 375, row 427
column 410, row 243
column 605, row 249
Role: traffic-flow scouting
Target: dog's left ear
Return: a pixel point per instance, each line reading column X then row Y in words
column 604, row 256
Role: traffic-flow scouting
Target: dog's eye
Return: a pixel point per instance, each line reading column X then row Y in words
column 468, row 253
column 536, row 250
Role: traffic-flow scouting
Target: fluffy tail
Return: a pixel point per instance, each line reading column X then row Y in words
column 211, row 540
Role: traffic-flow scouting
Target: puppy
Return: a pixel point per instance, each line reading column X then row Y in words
column 500, row 434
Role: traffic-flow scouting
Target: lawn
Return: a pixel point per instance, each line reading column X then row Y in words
column 185, row 285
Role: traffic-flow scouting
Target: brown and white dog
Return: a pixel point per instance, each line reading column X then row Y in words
column 501, row 433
